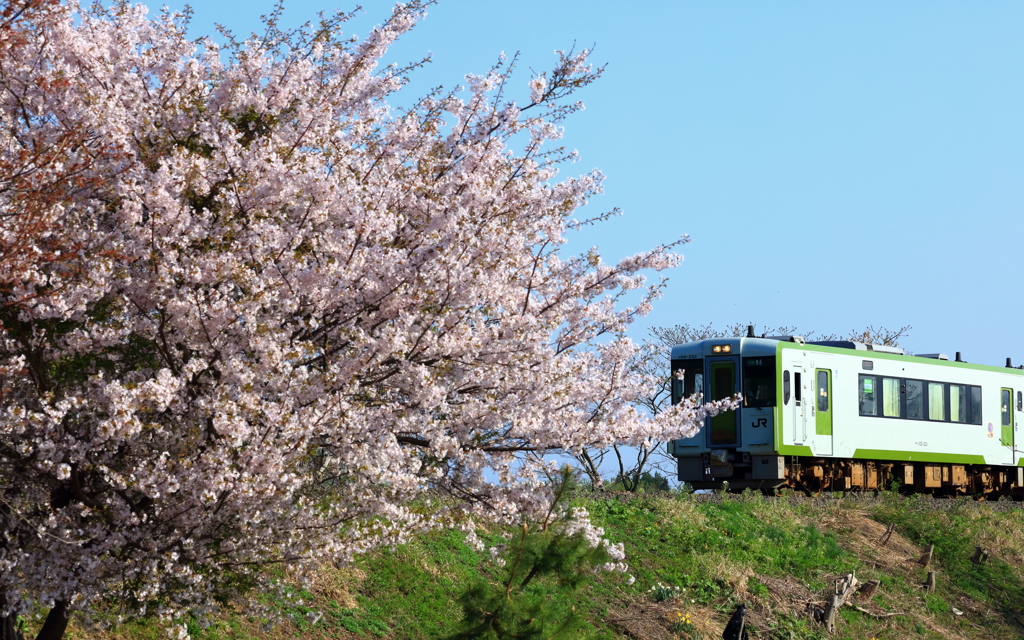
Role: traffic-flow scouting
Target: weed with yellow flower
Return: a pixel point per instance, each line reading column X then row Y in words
column 681, row 624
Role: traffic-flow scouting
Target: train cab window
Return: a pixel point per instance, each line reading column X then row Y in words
column 936, row 401
column 868, row 400
column 1005, row 406
column 958, row 402
column 785, row 387
column 759, row 382
column 891, row 397
column 687, row 379
column 677, row 384
column 913, row 391
column 975, row 405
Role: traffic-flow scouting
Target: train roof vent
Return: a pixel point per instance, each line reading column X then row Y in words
column 884, row 349
column 933, row 356
column 859, row 346
column 842, row 344
column 797, row 339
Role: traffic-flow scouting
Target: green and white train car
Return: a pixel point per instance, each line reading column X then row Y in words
column 846, row 415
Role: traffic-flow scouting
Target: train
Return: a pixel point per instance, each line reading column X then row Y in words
column 846, row 416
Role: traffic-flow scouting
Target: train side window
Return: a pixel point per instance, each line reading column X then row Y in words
column 913, row 390
column 867, row 387
column 785, row 387
column 958, row 402
column 891, row 397
column 975, row 405
column 1020, row 401
column 822, row 391
column 936, row 401
column 1005, row 406
column 796, row 384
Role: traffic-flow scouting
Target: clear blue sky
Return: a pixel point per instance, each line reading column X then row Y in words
column 837, row 164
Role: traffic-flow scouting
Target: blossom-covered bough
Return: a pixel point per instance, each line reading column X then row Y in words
column 250, row 312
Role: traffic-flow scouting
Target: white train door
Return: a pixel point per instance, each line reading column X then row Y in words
column 1007, row 423
column 1016, row 425
column 799, row 405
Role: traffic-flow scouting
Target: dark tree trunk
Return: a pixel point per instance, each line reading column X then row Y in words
column 56, row 622
column 8, row 628
column 8, row 624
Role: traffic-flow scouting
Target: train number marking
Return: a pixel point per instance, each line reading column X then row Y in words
column 921, row 444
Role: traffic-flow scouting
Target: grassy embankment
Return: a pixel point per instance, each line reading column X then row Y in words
column 779, row 556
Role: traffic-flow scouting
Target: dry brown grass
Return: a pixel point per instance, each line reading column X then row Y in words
column 673, row 511
column 336, row 585
column 861, row 535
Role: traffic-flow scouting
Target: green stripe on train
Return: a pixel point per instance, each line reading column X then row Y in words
column 795, row 450
column 918, row 456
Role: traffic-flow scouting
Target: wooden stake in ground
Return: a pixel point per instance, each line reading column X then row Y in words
column 884, row 540
column 868, row 590
column 927, row 557
column 980, row 555
column 929, row 584
column 845, row 587
column 865, row 593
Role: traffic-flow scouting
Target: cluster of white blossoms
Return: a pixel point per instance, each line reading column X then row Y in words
column 249, row 313
column 495, row 553
column 579, row 523
column 662, row 592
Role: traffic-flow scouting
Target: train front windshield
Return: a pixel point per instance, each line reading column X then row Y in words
column 758, row 380
column 690, row 381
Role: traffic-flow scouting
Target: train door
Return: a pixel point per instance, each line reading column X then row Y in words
column 822, row 442
column 799, row 410
column 1006, row 411
column 1016, row 424
column 723, row 382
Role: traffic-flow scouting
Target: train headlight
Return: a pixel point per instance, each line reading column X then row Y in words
column 717, row 348
column 721, row 348
column 726, row 348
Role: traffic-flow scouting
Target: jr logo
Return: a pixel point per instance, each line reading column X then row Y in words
column 760, row 422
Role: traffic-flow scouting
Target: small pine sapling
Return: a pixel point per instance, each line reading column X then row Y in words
column 564, row 552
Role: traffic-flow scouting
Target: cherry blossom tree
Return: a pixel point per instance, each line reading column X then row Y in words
column 46, row 160
column 249, row 311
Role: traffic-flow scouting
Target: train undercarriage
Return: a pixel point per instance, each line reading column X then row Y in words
column 815, row 475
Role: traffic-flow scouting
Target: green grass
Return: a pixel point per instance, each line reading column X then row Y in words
column 955, row 532
column 412, row 589
column 718, row 552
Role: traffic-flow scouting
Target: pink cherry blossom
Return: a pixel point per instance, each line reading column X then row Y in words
column 250, row 312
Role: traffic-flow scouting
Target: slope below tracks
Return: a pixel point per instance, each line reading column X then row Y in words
column 846, row 499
